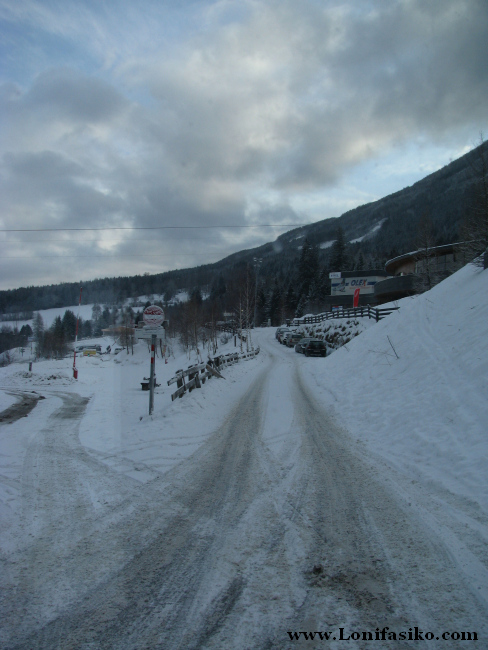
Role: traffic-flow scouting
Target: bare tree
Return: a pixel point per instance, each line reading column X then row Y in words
column 127, row 331
column 38, row 326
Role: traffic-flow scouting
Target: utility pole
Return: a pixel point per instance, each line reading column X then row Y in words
column 257, row 263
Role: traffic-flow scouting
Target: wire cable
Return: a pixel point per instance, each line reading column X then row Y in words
column 263, row 225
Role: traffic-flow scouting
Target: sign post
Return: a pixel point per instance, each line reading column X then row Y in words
column 151, row 376
column 153, row 317
column 75, row 369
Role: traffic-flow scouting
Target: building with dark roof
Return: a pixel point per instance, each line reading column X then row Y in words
column 407, row 271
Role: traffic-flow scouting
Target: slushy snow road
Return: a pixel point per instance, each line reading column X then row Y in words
column 265, row 529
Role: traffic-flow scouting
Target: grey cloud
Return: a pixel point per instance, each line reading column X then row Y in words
column 74, row 96
column 276, row 100
column 54, row 191
column 391, row 74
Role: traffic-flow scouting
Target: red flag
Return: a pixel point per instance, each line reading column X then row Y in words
column 356, row 297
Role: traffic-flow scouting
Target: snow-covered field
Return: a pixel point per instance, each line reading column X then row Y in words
column 50, row 315
column 407, row 402
column 85, row 310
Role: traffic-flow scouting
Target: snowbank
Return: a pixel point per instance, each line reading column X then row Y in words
column 413, row 387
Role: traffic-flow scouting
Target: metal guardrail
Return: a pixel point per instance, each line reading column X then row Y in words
column 198, row 374
column 354, row 312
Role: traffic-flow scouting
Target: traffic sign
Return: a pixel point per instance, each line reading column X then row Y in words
column 147, row 332
column 153, row 316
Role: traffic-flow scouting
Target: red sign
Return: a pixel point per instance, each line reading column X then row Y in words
column 153, row 316
column 356, row 297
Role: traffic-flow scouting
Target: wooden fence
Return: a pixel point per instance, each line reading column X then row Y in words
column 356, row 312
column 195, row 376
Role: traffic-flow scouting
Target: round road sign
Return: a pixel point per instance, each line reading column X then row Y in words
column 153, row 316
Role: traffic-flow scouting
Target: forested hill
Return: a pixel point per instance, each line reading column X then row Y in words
column 376, row 231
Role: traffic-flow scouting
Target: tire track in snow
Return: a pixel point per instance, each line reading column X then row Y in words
column 21, row 409
column 68, row 498
column 150, row 600
column 220, row 553
column 377, row 555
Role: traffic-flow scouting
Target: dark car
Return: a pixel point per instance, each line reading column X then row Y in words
column 314, row 348
column 301, row 343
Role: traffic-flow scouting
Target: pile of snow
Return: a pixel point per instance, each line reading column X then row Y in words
column 413, row 388
column 337, row 332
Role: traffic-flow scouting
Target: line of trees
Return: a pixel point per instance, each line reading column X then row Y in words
column 12, row 337
column 53, row 341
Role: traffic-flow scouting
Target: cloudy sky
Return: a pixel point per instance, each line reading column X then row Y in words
column 143, row 137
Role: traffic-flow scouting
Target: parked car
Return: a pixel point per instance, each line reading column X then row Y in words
column 279, row 330
column 301, row 343
column 314, row 348
column 282, row 334
column 292, row 338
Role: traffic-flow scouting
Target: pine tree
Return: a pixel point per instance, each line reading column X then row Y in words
column 275, row 305
column 474, row 229
column 301, row 307
column 261, row 305
column 87, row 331
column 360, row 262
column 291, row 301
column 338, row 255
column 313, row 297
column 96, row 318
column 69, row 325
column 324, row 284
column 57, row 339
column 308, row 267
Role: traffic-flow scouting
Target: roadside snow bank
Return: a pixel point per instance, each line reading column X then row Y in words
column 413, row 387
column 117, row 427
column 337, row 332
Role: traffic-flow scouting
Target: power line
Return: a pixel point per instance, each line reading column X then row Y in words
column 104, row 257
column 263, row 225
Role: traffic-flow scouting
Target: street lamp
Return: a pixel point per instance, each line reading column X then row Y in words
column 257, row 263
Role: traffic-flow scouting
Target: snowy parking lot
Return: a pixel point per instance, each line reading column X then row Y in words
column 296, row 494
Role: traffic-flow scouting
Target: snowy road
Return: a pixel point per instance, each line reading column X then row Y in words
column 275, row 524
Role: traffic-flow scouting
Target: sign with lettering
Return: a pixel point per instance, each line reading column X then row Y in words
column 153, row 316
